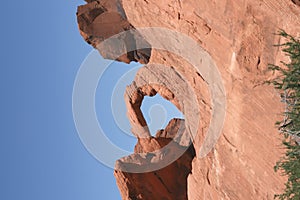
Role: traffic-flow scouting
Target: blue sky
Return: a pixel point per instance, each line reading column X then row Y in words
column 42, row 156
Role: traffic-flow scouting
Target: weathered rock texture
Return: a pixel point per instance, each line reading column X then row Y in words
column 153, row 79
column 239, row 36
column 99, row 20
column 167, row 183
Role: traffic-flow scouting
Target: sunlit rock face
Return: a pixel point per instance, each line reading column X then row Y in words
column 239, row 37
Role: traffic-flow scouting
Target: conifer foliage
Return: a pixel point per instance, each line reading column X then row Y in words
column 288, row 85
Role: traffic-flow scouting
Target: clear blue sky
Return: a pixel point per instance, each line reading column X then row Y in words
column 42, row 157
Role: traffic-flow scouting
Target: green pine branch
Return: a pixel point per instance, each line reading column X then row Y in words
column 288, row 84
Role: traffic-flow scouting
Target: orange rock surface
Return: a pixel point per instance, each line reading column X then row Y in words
column 239, row 36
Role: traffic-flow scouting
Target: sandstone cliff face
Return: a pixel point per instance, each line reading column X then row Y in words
column 239, row 36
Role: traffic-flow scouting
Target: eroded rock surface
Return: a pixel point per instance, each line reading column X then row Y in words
column 168, row 183
column 99, row 20
column 153, row 79
column 239, row 36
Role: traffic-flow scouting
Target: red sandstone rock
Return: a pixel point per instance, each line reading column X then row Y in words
column 99, row 20
column 239, row 36
column 167, row 183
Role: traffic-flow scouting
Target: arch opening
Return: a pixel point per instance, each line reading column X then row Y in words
column 158, row 112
